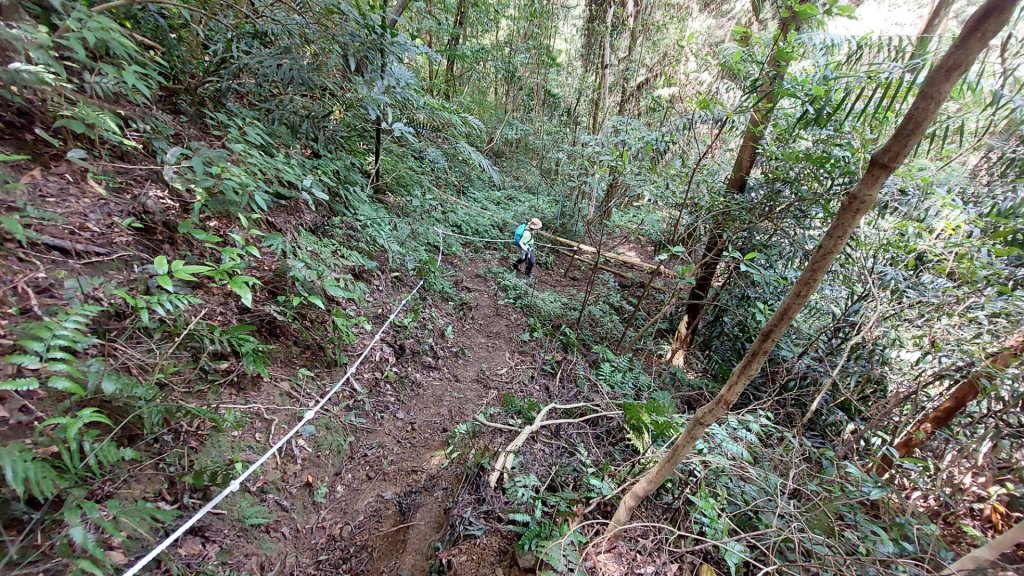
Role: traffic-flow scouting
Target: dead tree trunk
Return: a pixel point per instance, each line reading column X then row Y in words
column 983, row 25
column 958, row 399
column 932, row 26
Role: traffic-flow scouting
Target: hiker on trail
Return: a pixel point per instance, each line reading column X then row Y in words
column 524, row 240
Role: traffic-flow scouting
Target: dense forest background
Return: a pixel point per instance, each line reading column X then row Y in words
column 775, row 326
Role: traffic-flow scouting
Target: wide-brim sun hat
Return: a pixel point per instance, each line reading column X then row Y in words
column 535, row 224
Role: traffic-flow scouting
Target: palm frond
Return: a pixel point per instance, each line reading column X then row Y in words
column 480, row 160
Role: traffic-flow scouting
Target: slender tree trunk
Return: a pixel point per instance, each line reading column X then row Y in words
column 10, row 11
column 397, row 12
column 588, row 60
column 601, row 95
column 633, row 21
column 378, row 126
column 932, row 26
column 958, row 399
column 611, row 194
column 985, row 555
column 979, row 30
column 742, row 167
column 453, row 43
column 430, row 46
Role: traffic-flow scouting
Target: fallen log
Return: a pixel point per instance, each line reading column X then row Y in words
column 69, row 246
column 635, row 262
column 609, row 269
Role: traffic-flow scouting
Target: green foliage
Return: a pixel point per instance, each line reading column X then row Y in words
column 93, row 62
column 77, row 449
column 553, row 542
column 275, row 107
column 525, row 409
column 739, row 468
column 28, row 475
column 51, row 350
column 622, row 375
column 245, row 509
column 163, row 305
column 90, row 525
column 251, row 172
column 228, row 272
column 216, row 342
column 81, row 449
column 323, row 266
column 651, row 421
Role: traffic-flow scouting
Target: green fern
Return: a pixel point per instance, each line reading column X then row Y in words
column 246, row 510
column 481, row 161
column 79, row 445
column 90, row 524
column 520, row 517
column 162, row 304
column 235, row 340
column 650, row 421
column 623, row 375
column 28, row 474
column 51, row 348
column 19, row 384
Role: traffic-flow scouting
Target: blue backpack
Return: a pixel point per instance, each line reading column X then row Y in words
column 519, row 234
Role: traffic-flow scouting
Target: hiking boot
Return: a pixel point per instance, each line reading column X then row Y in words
column 515, row 268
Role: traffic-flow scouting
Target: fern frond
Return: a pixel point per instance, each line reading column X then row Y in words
column 20, row 384
column 480, row 160
column 27, row 474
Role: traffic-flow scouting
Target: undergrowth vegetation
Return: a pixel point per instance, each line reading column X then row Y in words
column 210, row 202
column 101, row 380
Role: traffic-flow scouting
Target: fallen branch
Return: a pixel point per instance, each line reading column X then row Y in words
column 481, row 420
column 988, row 553
column 70, row 247
column 389, row 530
column 503, row 465
column 611, row 270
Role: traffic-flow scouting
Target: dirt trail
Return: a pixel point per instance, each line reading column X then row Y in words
column 392, row 505
column 390, row 494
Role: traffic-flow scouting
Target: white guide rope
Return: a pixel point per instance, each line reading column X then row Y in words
column 499, row 241
column 237, row 483
column 309, row 415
